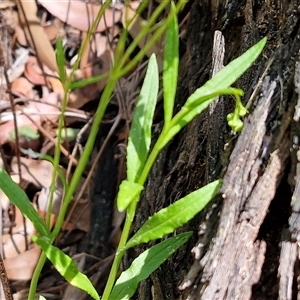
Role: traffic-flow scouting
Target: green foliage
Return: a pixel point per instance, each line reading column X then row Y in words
column 175, row 215
column 139, row 157
column 66, row 267
column 170, row 70
column 140, row 134
column 69, row 134
column 233, row 119
column 128, row 191
column 145, row 264
column 25, row 131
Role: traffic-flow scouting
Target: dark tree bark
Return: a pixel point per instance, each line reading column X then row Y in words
column 245, row 244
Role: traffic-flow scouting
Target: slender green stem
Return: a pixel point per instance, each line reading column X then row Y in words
column 120, row 251
column 85, row 155
column 36, row 275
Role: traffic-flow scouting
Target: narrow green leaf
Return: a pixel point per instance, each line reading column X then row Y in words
column 60, row 59
column 170, row 69
column 186, row 114
column 229, row 74
column 87, row 81
column 127, row 193
column 66, row 267
column 19, row 198
column 168, row 219
column 140, row 133
column 216, row 86
column 145, row 264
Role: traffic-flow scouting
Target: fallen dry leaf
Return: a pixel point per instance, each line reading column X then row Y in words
column 80, row 14
column 52, row 29
column 33, row 71
column 36, row 172
column 7, row 4
column 22, row 266
column 21, row 86
column 39, row 40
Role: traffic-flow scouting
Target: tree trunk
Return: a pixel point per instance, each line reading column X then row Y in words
column 245, row 244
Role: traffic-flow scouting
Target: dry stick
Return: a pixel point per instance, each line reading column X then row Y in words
column 4, row 281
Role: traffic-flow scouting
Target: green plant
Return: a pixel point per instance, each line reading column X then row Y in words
column 139, row 158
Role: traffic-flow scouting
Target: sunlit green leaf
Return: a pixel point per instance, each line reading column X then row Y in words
column 145, row 264
column 18, row 197
column 218, row 85
column 128, row 191
column 66, row 267
column 229, row 74
column 170, row 218
column 170, row 69
column 140, row 133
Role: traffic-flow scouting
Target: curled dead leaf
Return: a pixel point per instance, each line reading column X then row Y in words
column 22, row 266
column 21, row 86
column 37, row 38
column 36, row 172
column 52, row 29
column 33, row 71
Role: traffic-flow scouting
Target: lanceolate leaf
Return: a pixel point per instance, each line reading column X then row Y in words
column 87, row 81
column 229, row 74
column 170, row 70
column 128, row 191
column 145, row 264
column 66, row 267
column 218, row 85
column 170, row 218
column 140, row 132
column 19, row 198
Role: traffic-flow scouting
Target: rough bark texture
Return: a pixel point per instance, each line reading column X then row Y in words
column 245, row 244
